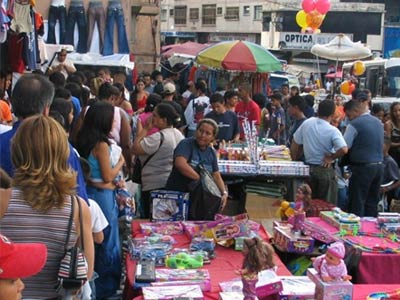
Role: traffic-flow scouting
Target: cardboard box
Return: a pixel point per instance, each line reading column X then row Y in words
column 172, row 292
column 169, row 205
column 317, row 232
column 287, row 241
column 297, row 288
column 168, row 277
column 338, row 290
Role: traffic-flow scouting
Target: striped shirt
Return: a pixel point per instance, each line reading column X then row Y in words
column 23, row 224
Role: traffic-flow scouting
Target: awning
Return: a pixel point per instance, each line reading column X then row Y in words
column 338, row 74
column 305, row 69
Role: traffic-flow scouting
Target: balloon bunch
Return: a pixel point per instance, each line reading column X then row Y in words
column 348, row 86
column 312, row 15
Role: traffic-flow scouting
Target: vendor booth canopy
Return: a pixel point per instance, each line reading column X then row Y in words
column 188, row 49
column 239, row 56
column 341, row 48
column 338, row 74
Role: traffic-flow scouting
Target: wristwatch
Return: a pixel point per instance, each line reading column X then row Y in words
column 224, row 193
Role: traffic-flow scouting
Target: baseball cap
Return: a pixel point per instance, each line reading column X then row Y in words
column 19, row 260
column 169, row 88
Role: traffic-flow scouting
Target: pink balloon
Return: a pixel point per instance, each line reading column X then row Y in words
column 308, row 5
column 323, row 6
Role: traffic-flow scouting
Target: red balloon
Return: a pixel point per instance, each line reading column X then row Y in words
column 308, row 5
column 323, row 6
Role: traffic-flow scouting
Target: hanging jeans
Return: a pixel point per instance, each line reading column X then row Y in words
column 76, row 14
column 56, row 13
column 115, row 13
column 96, row 14
column 107, row 262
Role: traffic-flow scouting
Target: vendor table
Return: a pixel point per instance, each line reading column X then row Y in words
column 361, row 291
column 222, row 267
column 374, row 267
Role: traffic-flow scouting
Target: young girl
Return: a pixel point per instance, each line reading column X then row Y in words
column 258, row 256
column 330, row 266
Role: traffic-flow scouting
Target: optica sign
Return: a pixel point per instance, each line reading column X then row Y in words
column 296, row 40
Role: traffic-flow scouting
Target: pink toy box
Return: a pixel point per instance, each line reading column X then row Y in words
column 338, row 290
column 288, row 241
column 317, row 232
column 168, row 277
column 172, row 292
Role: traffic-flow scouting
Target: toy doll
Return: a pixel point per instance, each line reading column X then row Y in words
column 300, row 205
column 258, row 256
column 331, row 266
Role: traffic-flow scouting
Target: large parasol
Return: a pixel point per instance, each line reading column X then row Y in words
column 341, row 48
column 239, row 56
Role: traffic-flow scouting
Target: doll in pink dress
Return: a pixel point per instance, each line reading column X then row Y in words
column 331, row 266
column 258, row 256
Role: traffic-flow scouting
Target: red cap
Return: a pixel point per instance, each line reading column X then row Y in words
column 19, row 260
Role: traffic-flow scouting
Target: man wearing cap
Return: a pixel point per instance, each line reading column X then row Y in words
column 18, row 260
column 168, row 97
column 364, row 137
column 321, row 144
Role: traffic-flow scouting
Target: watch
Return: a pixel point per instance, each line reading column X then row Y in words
column 224, row 193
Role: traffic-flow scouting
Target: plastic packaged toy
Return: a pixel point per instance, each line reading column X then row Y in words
column 184, row 261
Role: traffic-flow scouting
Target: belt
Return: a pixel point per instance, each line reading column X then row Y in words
column 366, row 163
column 321, row 166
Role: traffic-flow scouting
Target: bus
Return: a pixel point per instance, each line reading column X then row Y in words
column 381, row 77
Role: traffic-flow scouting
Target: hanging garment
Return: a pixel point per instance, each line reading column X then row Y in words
column 115, row 13
column 96, row 14
column 22, row 21
column 76, row 14
column 56, row 13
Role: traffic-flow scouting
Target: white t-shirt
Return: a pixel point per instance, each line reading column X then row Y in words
column 99, row 221
column 57, row 3
column 190, row 112
column 66, row 62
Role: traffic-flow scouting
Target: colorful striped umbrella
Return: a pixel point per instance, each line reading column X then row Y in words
column 239, row 56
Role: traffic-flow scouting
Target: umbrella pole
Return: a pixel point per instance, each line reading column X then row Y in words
column 334, row 80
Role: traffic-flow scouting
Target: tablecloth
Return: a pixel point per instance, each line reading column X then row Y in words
column 361, row 291
column 222, row 267
column 373, row 268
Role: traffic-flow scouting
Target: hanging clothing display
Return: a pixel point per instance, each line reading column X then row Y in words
column 76, row 15
column 96, row 14
column 115, row 13
column 58, row 12
column 22, row 21
column 4, row 20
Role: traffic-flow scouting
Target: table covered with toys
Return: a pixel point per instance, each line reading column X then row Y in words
column 261, row 168
column 197, row 259
column 372, row 244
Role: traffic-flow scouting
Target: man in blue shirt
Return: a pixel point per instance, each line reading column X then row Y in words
column 322, row 144
column 33, row 95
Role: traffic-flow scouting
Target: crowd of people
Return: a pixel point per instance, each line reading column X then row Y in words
column 71, row 136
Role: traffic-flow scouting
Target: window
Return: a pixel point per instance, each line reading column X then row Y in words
column 163, row 15
column 180, row 15
column 209, row 15
column 258, row 12
column 232, row 13
column 246, row 10
column 219, row 11
column 194, row 14
column 171, row 12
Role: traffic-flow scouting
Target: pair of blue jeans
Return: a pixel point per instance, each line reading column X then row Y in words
column 76, row 14
column 107, row 262
column 115, row 13
column 56, row 13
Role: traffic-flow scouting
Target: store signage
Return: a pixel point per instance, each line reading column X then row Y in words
column 222, row 36
column 297, row 40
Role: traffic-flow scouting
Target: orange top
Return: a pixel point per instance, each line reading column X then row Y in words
column 5, row 111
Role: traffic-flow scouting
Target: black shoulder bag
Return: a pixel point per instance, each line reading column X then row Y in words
column 138, row 167
column 72, row 273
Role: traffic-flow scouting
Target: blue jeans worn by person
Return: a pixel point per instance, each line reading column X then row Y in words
column 56, row 13
column 107, row 262
column 115, row 13
column 364, row 189
column 76, row 14
column 96, row 14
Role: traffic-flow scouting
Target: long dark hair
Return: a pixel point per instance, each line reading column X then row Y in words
column 168, row 112
column 96, row 127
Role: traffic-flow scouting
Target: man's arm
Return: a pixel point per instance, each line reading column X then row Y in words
column 330, row 158
column 296, row 151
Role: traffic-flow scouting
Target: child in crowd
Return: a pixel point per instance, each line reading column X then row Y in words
column 330, row 266
column 258, row 256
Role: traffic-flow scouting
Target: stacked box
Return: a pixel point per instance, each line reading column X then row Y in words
column 297, row 288
column 169, row 205
column 317, row 232
column 348, row 228
column 288, row 241
column 168, row 277
column 337, row 290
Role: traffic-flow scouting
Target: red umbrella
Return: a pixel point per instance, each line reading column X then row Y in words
column 338, row 74
column 188, row 48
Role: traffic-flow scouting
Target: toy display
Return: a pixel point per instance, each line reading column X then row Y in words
column 384, row 295
column 172, row 292
column 169, row 205
column 199, row 277
column 347, row 224
column 338, row 290
column 204, row 244
column 184, row 261
column 285, row 239
column 330, row 266
column 167, row 228
column 297, row 288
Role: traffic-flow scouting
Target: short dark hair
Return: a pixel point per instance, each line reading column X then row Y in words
column 107, row 90
column 352, row 105
column 326, row 108
column 62, row 93
column 58, row 79
column 309, row 100
column 260, row 99
column 230, row 94
column 277, row 96
column 217, row 98
column 31, row 95
column 377, row 107
column 298, row 101
column 152, row 101
column 168, row 112
column 75, row 89
column 200, row 85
